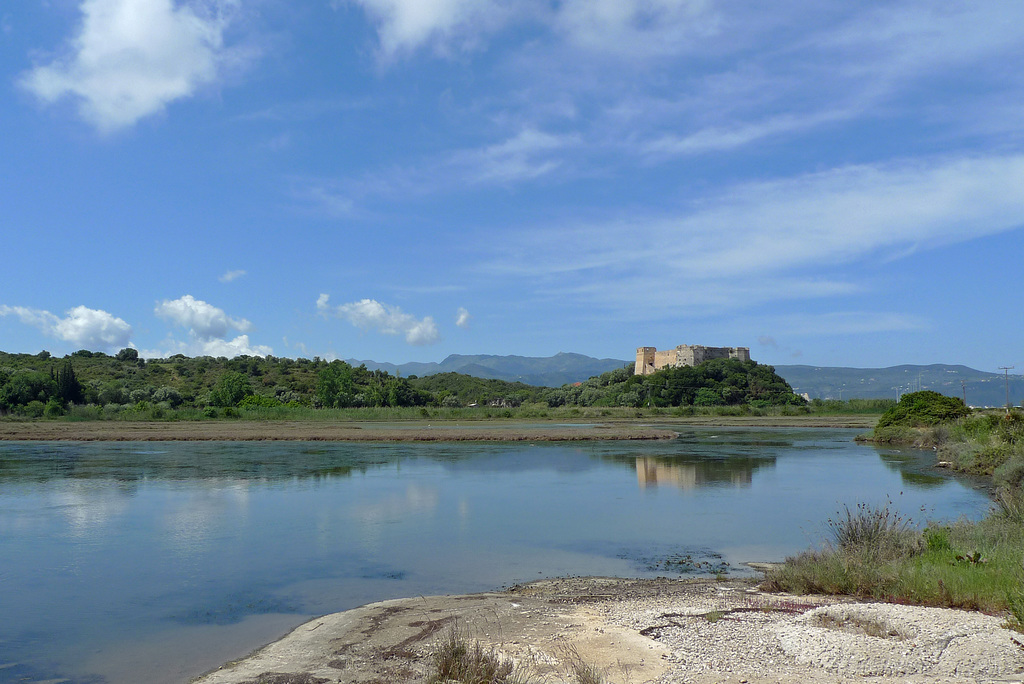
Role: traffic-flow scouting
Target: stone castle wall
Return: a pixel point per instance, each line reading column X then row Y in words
column 649, row 359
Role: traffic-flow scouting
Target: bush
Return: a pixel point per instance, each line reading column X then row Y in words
column 876, row 530
column 53, row 409
column 34, row 409
column 923, row 409
column 1010, row 473
column 456, row 662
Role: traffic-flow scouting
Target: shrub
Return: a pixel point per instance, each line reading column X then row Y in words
column 924, row 408
column 1010, row 473
column 876, row 530
column 53, row 409
column 456, row 662
column 34, row 409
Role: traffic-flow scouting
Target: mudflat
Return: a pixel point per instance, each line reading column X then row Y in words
column 410, row 431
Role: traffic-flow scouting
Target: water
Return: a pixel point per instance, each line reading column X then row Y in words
column 127, row 562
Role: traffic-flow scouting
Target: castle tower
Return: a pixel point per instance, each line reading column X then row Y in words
column 644, row 361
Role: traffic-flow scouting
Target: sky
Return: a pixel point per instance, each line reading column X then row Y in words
column 825, row 182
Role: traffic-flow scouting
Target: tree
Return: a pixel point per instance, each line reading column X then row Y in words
column 127, row 354
column 334, row 385
column 231, row 389
column 69, row 390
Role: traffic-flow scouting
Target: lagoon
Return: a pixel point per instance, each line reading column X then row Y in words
column 127, row 562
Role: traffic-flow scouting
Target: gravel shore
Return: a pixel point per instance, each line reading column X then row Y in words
column 661, row 631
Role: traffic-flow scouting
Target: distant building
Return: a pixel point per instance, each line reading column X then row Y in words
column 649, row 359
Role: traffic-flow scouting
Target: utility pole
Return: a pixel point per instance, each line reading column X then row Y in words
column 963, row 386
column 1006, row 375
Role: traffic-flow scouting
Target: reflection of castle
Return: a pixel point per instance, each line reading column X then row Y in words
column 651, row 472
column 649, row 359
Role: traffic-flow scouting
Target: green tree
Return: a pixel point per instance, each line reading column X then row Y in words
column 335, row 387
column 231, row 389
column 69, row 390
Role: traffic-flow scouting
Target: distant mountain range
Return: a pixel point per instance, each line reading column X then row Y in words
column 818, row 382
column 547, row 371
column 979, row 388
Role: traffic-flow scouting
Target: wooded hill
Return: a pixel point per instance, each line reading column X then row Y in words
column 39, row 384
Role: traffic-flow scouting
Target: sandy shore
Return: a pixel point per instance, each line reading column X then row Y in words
column 411, row 431
column 661, row 631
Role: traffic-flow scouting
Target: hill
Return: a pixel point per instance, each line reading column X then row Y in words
column 978, row 388
column 542, row 371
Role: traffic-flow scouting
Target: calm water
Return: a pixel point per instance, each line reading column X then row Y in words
column 127, row 562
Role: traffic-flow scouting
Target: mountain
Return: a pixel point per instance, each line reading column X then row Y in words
column 979, row 387
column 546, row 371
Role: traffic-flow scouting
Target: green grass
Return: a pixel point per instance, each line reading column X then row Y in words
column 969, row 565
column 528, row 411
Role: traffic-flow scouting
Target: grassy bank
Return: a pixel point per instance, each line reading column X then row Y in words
column 877, row 554
column 831, row 413
column 987, row 443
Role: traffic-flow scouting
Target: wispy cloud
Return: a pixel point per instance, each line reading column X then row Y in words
column 230, row 276
column 131, row 58
column 390, row 320
column 87, row 328
column 462, row 317
column 404, row 26
column 765, row 241
column 526, row 156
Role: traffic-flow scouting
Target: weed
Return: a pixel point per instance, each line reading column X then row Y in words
column 582, row 671
column 1010, row 504
column 880, row 530
column 714, row 616
column 455, row 660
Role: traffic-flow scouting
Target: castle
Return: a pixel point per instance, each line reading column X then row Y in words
column 649, row 359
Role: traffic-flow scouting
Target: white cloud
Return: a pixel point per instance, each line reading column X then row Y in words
column 390, row 320
column 239, row 346
column 766, row 241
column 82, row 326
column 231, row 275
column 719, row 138
column 462, row 317
column 406, row 25
column 527, row 155
column 131, row 58
column 639, row 27
column 204, row 321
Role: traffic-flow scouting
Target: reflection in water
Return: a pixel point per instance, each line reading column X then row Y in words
column 652, row 471
column 108, row 548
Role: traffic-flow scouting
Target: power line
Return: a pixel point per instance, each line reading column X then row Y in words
column 1006, row 375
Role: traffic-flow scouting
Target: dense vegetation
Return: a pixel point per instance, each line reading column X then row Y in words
column 987, row 443
column 40, row 385
column 720, row 382
column 920, row 409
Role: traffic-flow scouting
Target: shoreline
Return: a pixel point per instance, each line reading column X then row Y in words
column 652, row 631
column 407, row 431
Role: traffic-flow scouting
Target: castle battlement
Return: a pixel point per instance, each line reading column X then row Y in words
column 649, row 359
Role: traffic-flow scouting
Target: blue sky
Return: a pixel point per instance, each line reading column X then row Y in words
column 828, row 183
